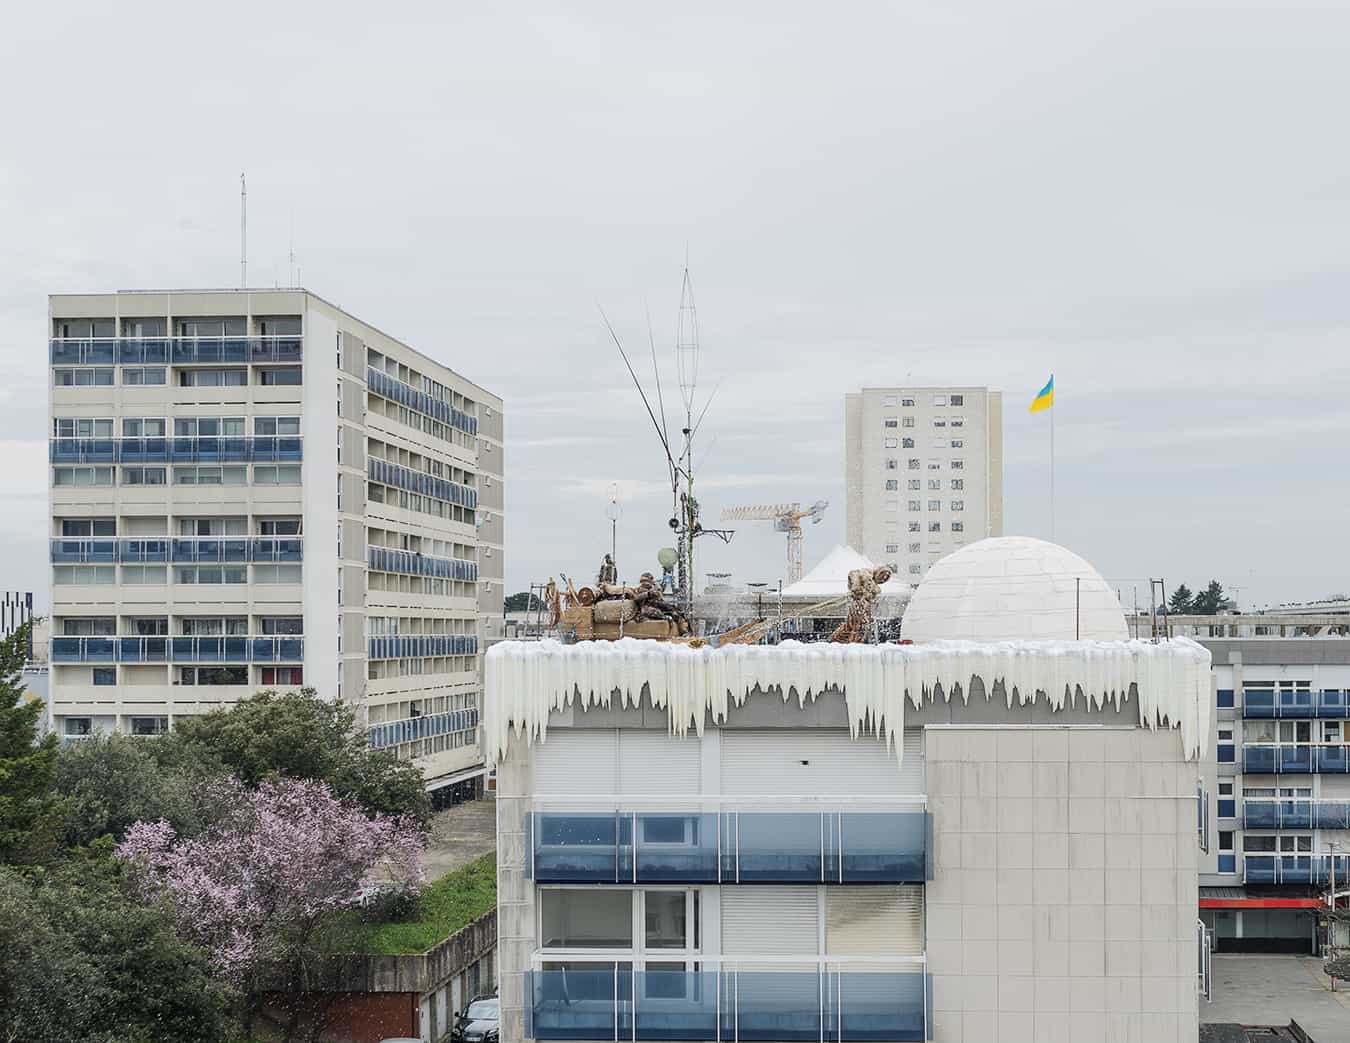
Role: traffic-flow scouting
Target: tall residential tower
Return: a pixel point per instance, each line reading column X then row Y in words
column 924, row 472
column 253, row 489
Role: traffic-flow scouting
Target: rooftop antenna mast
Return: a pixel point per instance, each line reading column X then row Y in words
column 243, row 232
column 686, row 363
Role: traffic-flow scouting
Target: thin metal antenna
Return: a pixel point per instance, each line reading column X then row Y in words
column 294, row 273
column 243, row 232
column 656, row 371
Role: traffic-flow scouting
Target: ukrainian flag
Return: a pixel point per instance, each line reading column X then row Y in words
column 1045, row 398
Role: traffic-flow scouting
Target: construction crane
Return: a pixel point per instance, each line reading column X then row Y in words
column 786, row 517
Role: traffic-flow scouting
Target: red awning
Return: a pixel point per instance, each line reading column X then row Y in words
column 1261, row 903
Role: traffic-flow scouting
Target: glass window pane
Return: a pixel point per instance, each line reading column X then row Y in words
column 665, row 926
column 579, row 919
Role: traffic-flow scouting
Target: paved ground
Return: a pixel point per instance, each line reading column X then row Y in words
column 462, row 833
column 1272, row 990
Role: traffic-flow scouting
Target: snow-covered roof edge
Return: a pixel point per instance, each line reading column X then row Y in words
column 526, row 680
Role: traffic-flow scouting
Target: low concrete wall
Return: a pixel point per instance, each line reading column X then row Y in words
column 418, row 973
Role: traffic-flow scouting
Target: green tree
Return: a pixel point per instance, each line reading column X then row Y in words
column 30, row 814
column 111, row 781
column 1181, row 601
column 1209, row 601
column 301, row 736
column 82, row 958
column 522, row 602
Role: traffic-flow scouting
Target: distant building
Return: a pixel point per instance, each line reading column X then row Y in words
column 715, row 844
column 924, row 472
column 1280, row 787
column 254, row 489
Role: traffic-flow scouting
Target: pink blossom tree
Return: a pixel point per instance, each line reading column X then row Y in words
column 279, row 862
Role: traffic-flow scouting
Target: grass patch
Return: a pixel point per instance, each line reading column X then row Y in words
column 450, row 903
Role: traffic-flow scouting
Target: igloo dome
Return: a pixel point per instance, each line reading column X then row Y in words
column 1013, row 588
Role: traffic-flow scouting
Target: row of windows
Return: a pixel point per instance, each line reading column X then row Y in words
column 908, row 443
column 938, row 421
column 134, row 376
column 907, row 401
column 188, row 626
column 915, row 464
column 377, row 493
column 157, row 326
column 933, row 505
column 194, row 474
column 934, row 484
column 142, row 575
column 932, row 526
column 183, row 427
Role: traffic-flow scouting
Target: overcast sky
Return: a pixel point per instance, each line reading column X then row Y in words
column 1151, row 200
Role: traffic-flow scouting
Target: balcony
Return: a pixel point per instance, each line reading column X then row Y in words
column 1264, row 704
column 177, row 649
column 179, row 351
column 802, row 845
column 1296, row 758
column 827, row 1004
column 1298, row 813
column 204, row 550
column 420, row 646
column 408, row 563
column 1293, row 869
column 420, row 482
column 391, row 733
column 203, row 450
column 406, row 395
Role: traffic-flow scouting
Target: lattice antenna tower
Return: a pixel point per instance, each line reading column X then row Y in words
column 687, row 353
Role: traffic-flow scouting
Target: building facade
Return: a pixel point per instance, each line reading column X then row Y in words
column 717, row 844
column 924, row 472
column 1280, row 781
column 253, row 490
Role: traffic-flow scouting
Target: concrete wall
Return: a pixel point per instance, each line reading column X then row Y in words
column 1064, row 897
column 515, row 890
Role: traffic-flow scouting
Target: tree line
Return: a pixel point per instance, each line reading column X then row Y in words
column 1208, row 602
column 158, row 889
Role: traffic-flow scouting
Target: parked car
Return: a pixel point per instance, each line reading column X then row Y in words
column 478, row 1023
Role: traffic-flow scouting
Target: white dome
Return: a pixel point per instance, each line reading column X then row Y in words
column 1013, row 588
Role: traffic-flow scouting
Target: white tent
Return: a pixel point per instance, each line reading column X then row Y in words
column 830, row 577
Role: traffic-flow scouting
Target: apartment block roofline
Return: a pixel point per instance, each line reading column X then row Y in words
column 274, row 290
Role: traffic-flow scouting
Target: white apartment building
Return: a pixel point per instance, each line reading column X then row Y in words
column 924, row 472
column 252, row 489
column 857, row 842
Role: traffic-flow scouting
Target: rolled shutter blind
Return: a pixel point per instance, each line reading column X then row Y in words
column 874, row 921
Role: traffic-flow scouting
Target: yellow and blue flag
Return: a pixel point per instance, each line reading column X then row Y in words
column 1045, row 398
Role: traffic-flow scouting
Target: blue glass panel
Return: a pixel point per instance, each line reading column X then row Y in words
column 1228, row 864
column 883, row 847
column 290, row 649
column 1258, row 702
column 1227, row 808
column 1295, row 760
column 1332, row 759
column 1332, row 815
column 675, row 1005
column 572, row 847
column 1296, row 703
column 1259, row 869
column 575, row 1003
column 1332, row 703
column 1295, row 814
column 1227, row 753
column 1225, row 698
column 1296, row 869
column 1256, row 759
column 879, row 1006
column 1260, row 814
column 65, row 649
column 775, row 1007
column 779, row 847
column 676, row 848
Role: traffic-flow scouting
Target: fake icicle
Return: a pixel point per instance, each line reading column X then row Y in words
column 526, row 680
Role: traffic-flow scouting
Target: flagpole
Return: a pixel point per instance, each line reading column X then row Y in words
column 1052, row 473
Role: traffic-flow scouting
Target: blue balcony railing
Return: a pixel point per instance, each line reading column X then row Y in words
column 405, row 562
column 410, row 729
column 1297, row 813
column 830, row 1004
column 808, row 846
column 1296, row 758
column 420, row 482
column 160, row 351
column 419, row 401
column 1265, row 703
column 1293, row 869
column 418, row 646
column 213, row 450
column 177, row 649
column 203, row 550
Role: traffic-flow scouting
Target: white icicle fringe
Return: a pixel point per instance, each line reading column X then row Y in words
column 526, row 680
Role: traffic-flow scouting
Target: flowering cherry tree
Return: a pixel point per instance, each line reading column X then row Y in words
column 271, row 870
